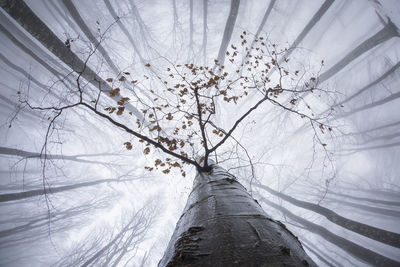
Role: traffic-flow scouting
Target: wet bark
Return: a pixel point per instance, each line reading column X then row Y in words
column 366, row 255
column 222, row 225
column 380, row 235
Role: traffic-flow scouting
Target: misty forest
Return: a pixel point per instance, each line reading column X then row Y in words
column 199, row 133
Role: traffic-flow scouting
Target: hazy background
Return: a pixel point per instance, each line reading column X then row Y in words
column 357, row 177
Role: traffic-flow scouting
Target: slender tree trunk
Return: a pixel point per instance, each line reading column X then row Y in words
column 374, row 210
column 53, row 190
column 26, row 154
column 377, row 103
column 124, row 30
column 230, row 24
column 81, row 23
column 191, row 27
column 32, row 23
column 28, row 76
column 389, row 31
column 388, row 73
column 361, row 253
column 367, row 132
column 367, row 199
column 319, row 256
column 313, row 21
column 380, row 235
column 222, row 225
column 204, row 44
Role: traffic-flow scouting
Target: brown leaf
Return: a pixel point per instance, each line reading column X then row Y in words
column 128, row 145
column 201, row 160
column 120, row 110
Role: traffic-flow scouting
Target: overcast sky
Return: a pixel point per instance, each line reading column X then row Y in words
column 351, row 169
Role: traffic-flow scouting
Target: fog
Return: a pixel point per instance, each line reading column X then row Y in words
column 78, row 189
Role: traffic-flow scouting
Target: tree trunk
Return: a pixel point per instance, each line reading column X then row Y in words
column 380, row 235
column 222, row 225
column 86, row 30
column 363, row 254
column 230, row 24
column 39, row 30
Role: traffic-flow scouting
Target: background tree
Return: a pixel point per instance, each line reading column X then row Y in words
column 44, row 46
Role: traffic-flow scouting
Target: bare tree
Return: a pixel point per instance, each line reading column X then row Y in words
column 361, row 253
column 381, row 235
column 179, row 122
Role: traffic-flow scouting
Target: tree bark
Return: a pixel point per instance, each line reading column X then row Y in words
column 222, row 225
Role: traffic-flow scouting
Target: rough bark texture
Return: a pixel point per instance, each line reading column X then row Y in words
column 222, row 225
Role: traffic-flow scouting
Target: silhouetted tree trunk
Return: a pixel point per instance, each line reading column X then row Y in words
column 30, row 22
column 373, row 200
column 370, row 85
column 26, row 154
column 321, row 257
column 389, row 31
column 361, row 253
column 81, row 23
column 386, row 237
column 53, row 190
column 204, row 44
column 313, row 21
column 230, row 24
column 374, row 104
column 124, row 30
column 191, row 27
column 222, row 225
column 374, row 210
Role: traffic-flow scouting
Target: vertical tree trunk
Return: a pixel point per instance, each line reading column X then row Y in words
column 230, row 24
column 222, row 225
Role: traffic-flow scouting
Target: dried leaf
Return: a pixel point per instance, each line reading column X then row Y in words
column 128, row 145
